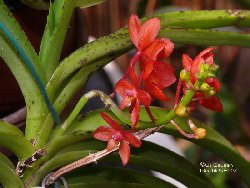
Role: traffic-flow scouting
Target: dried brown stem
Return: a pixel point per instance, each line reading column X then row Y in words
column 92, row 158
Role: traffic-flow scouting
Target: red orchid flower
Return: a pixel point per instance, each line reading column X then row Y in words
column 143, row 35
column 161, row 77
column 132, row 96
column 160, row 48
column 149, row 49
column 116, row 135
column 193, row 66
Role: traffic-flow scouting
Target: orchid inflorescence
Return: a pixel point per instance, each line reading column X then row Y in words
column 155, row 75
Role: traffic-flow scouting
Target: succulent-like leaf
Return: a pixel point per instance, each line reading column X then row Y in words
column 5, row 160
column 9, row 178
column 13, row 139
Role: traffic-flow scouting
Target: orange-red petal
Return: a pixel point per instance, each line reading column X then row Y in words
column 155, row 91
column 212, row 103
column 143, row 97
column 134, row 26
column 124, row 88
column 186, row 62
column 135, row 113
column 103, row 133
column 160, row 48
column 124, row 152
column 148, row 32
column 126, row 101
column 111, row 122
column 132, row 139
column 112, row 144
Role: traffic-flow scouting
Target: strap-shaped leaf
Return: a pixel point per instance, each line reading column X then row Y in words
column 65, row 157
column 36, row 106
column 153, row 157
column 11, row 23
column 37, row 4
column 119, row 42
column 44, row 5
column 9, row 178
column 68, row 91
column 110, row 175
column 13, row 139
column 53, row 38
column 110, row 185
column 5, row 160
column 205, row 19
column 213, row 141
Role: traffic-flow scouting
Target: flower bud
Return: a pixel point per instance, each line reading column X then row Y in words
column 184, row 75
column 200, row 133
column 210, row 75
column 181, row 111
column 211, row 92
column 206, row 66
column 205, row 87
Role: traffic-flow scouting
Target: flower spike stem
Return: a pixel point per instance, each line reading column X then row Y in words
column 181, row 131
column 183, row 102
column 178, row 91
column 104, row 98
column 92, row 158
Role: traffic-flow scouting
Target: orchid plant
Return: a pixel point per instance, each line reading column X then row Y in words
column 51, row 148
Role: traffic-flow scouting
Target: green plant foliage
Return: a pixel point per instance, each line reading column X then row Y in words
column 213, row 141
column 13, row 139
column 63, row 79
column 5, row 160
column 100, row 174
column 8, row 177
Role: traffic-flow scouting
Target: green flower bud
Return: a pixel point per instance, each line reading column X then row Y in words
column 211, row 92
column 215, row 67
column 206, row 66
column 210, row 75
column 205, row 87
column 184, row 75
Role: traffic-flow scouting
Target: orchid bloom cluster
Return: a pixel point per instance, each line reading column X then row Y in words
column 201, row 69
column 155, row 75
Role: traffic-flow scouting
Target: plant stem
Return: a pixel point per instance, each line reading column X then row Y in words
column 84, row 99
column 183, row 102
column 91, row 158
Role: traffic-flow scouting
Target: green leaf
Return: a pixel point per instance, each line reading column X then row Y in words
column 87, row 3
column 36, row 106
column 213, row 141
column 119, row 42
column 54, row 163
column 111, row 185
column 5, row 160
column 13, row 26
column 205, row 37
column 37, row 4
column 205, row 19
column 110, row 175
column 13, row 139
column 151, row 157
column 9, row 178
column 57, row 25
